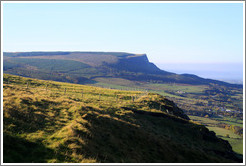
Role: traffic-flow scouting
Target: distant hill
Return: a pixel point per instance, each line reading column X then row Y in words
column 54, row 122
column 81, row 67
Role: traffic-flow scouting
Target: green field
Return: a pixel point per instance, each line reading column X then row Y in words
column 204, row 121
column 236, row 143
column 235, row 140
column 223, row 132
column 118, row 83
column 180, row 87
column 230, row 121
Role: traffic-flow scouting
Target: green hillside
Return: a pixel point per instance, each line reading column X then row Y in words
column 77, row 67
column 47, row 121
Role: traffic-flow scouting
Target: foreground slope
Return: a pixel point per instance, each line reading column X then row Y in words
column 81, row 67
column 59, row 122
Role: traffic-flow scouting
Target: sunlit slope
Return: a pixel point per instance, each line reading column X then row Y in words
column 60, row 122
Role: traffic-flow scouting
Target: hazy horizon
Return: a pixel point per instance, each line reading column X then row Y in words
column 229, row 72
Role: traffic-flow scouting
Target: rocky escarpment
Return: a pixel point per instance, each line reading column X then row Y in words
column 136, row 63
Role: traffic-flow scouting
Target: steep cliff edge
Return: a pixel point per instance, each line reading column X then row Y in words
column 136, row 63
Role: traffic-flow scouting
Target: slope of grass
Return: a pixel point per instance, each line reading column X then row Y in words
column 134, row 67
column 90, row 58
column 204, row 121
column 223, row 132
column 235, row 140
column 236, row 143
column 230, row 121
column 184, row 88
column 61, row 122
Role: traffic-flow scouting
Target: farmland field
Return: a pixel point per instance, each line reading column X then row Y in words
column 180, row 87
column 230, row 121
column 235, row 140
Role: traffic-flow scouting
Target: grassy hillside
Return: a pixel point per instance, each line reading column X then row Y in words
column 235, row 140
column 76, row 66
column 94, row 59
column 200, row 100
column 46, row 121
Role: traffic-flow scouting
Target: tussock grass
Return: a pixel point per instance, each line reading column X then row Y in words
column 61, row 122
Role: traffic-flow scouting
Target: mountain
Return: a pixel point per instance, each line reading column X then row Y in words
column 83, row 67
column 47, row 121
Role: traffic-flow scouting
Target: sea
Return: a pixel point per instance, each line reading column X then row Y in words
column 228, row 72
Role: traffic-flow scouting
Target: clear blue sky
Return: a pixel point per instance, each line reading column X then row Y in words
column 166, row 32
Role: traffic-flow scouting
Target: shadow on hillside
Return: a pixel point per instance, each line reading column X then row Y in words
column 88, row 82
column 19, row 150
column 27, row 119
column 112, row 139
column 240, row 157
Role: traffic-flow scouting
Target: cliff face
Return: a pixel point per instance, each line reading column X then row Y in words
column 138, row 63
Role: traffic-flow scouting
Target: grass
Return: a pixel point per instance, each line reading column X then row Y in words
column 180, row 87
column 118, row 83
column 236, row 143
column 230, row 121
column 235, row 140
column 204, row 121
column 223, row 132
column 90, row 124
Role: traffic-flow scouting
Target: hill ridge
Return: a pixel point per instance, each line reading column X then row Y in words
column 135, row 67
column 75, row 123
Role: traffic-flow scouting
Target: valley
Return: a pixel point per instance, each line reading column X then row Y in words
column 120, row 86
column 201, row 100
column 122, row 83
column 195, row 95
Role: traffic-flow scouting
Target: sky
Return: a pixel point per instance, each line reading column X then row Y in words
column 169, row 33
